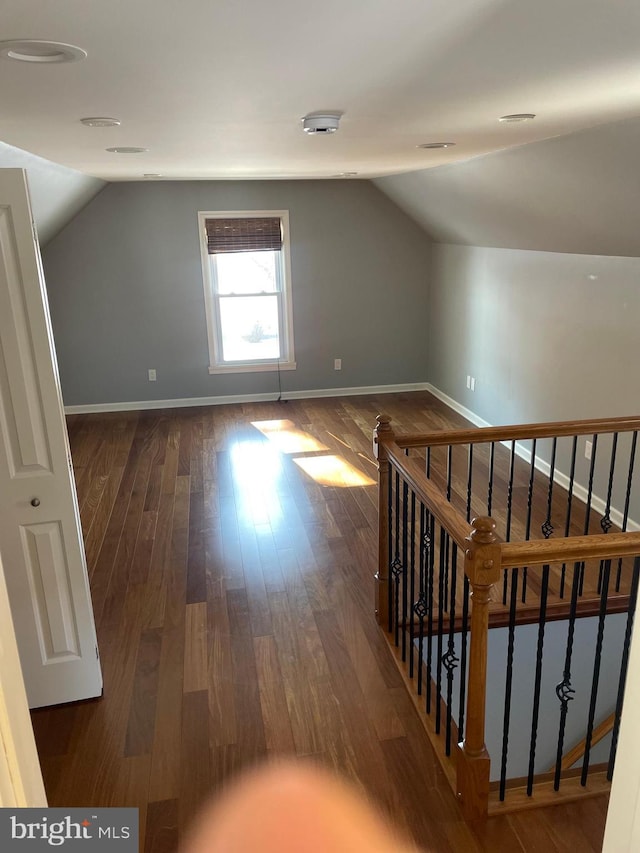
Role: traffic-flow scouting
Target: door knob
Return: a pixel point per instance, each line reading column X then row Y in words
column 35, row 502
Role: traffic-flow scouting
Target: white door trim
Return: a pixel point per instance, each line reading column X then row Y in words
column 21, row 782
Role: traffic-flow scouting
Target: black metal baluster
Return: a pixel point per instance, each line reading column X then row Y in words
column 567, row 525
column 449, row 470
column 405, row 563
column 510, row 489
column 446, row 575
column 444, row 536
column 431, row 561
column 492, row 457
column 606, row 523
column 412, row 582
column 428, row 462
column 508, row 682
column 469, row 481
column 420, row 607
column 587, row 516
column 395, row 569
column 527, row 535
column 538, row 678
column 564, row 690
column 509, row 503
column 547, row 526
column 463, row 656
column 450, row 660
column 532, row 473
column 627, row 498
column 624, row 666
column 596, row 671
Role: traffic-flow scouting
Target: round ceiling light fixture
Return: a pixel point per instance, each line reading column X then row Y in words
column 39, row 51
column 100, row 121
column 516, row 117
column 321, row 123
column 126, row 149
column 436, row 145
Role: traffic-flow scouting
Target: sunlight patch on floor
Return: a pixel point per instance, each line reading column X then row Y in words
column 333, row 471
column 286, row 436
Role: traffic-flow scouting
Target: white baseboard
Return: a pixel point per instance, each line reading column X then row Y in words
column 559, row 477
column 184, row 402
column 476, row 420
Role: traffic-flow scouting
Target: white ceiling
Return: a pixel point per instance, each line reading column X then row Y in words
column 216, row 88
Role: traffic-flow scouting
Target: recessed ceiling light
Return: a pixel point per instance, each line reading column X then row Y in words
column 321, row 123
column 517, row 117
column 36, row 50
column 100, row 121
column 151, row 175
column 126, row 149
column 345, row 175
column 436, row 145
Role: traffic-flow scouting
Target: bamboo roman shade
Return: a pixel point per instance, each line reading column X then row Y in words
column 249, row 234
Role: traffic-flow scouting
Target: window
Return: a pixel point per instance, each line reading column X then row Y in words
column 247, row 284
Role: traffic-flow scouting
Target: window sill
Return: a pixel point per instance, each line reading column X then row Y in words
column 271, row 366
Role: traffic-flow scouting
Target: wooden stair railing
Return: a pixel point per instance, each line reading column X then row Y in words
column 487, row 559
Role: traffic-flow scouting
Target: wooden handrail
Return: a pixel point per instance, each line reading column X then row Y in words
column 477, row 435
column 571, row 549
column 413, row 473
column 576, row 752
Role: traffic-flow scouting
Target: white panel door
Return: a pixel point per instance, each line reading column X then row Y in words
column 40, row 535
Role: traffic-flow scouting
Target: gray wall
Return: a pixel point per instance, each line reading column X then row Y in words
column 124, row 280
column 57, row 193
column 547, row 336
column 578, row 193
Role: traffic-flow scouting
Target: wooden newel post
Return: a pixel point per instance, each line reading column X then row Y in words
column 381, row 433
column 482, row 567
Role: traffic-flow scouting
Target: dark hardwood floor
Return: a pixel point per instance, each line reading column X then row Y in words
column 233, row 596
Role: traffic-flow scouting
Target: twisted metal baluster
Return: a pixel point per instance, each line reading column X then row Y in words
column 420, row 607
column 567, row 526
column 449, row 659
column 547, row 526
column 508, row 683
column 463, row 656
column 564, row 690
column 412, row 582
column 492, row 456
column 587, row 517
column 431, row 560
column 596, row 671
column 527, row 536
column 405, row 561
column 469, row 481
column 538, row 678
column 441, row 581
column 509, row 503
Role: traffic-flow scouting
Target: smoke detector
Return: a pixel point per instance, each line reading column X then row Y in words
column 325, row 123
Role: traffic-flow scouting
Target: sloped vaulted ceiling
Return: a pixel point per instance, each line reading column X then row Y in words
column 576, row 194
column 57, row 193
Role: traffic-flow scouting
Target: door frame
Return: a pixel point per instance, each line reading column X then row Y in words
column 21, row 783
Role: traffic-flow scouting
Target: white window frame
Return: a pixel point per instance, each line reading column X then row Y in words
column 214, row 335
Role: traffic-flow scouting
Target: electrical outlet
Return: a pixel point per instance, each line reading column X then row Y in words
column 473, row 383
column 337, row 364
column 468, row 381
column 587, row 449
column 152, row 375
